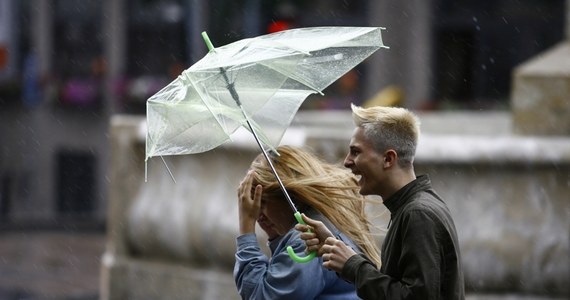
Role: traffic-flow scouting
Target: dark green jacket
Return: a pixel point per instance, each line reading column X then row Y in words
column 420, row 254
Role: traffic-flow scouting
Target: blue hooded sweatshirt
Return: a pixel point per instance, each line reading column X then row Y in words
column 279, row 277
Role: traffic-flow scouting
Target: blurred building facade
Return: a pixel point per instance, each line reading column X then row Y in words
column 67, row 66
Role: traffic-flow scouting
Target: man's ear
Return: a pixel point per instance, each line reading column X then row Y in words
column 390, row 157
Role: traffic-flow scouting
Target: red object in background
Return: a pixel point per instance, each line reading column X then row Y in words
column 278, row 25
column 3, row 56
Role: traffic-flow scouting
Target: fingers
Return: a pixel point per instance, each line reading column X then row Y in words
column 331, row 241
column 258, row 190
column 257, row 195
column 306, row 236
column 326, row 252
column 303, row 228
column 335, row 254
column 318, row 227
column 327, row 247
column 310, row 221
column 249, row 208
column 244, row 188
column 313, row 245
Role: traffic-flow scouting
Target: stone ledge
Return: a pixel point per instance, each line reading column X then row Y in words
column 493, row 149
column 439, row 142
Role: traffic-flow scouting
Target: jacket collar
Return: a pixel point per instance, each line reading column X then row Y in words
column 402, row 196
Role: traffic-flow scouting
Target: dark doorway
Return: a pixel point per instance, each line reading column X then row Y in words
column 5, row 192
column 75, row 182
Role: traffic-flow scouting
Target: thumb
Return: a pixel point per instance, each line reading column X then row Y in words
column 309, row 221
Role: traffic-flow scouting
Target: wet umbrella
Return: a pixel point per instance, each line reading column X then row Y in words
column 256, row 83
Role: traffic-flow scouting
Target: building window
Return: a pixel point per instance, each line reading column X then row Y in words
column 78, row 57
column 479, row 43
column 157, row 48
column 18, row 68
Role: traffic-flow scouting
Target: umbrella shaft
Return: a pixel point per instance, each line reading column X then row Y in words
column 269, row 162
column 235, row 96
column 231, row 88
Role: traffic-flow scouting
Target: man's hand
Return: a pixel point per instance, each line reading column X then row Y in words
column 315, row 239
column 335, row 254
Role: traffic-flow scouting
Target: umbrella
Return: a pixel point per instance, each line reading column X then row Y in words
column 257, row 84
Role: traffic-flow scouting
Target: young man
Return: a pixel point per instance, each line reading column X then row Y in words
column 420, row 253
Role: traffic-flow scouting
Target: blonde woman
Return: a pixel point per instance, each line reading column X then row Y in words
column 320, row 190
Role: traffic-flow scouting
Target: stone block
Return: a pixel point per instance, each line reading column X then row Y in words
column 540, row 99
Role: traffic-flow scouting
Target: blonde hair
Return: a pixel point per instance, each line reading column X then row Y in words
column 330, row 189
column 389, row 128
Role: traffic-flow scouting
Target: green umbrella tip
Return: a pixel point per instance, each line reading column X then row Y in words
column 207, row 41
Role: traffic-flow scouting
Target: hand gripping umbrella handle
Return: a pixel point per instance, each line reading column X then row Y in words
column 292, row 253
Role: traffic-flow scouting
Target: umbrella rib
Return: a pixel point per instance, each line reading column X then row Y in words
column 292, row 76
column 146, row 165
column 202, row 97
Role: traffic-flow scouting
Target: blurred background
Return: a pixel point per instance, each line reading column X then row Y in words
column 67, row 67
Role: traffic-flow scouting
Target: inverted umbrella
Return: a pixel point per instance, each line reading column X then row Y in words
column 257, row 83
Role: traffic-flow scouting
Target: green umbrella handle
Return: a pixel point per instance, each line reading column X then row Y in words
column 292, row 254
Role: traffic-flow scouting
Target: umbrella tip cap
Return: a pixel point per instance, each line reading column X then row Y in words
column 207, row 41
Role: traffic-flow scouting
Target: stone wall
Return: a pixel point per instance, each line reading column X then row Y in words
column 508, row 195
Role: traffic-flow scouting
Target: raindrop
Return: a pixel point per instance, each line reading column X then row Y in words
column 475, row 19
column 484, row 67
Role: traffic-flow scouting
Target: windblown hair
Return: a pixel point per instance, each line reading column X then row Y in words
column 389, row 128
column 330, row 189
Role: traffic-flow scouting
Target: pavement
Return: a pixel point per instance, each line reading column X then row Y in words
column 65, row 265
column 58, row 265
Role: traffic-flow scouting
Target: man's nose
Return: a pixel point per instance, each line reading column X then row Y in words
column 347, row 161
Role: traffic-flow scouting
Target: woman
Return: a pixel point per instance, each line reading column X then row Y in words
column 320, row 190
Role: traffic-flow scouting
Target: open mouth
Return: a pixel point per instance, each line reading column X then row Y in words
column 358, row 178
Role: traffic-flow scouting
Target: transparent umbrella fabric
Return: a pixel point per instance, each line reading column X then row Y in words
column 270, row 76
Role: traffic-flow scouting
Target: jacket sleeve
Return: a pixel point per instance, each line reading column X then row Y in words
column 418, row 264
column 258, row 277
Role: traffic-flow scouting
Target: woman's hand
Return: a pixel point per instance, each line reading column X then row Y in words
column 249, row 207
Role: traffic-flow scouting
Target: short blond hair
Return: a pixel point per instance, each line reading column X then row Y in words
column 389, row 128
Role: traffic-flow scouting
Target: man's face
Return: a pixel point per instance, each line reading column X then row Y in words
column 365, row 162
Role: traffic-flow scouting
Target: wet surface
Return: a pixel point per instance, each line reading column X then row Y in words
column 50, row 265
column 40, row 265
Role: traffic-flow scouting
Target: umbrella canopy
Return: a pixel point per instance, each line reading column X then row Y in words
column 258, row 82
column 263, row 79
